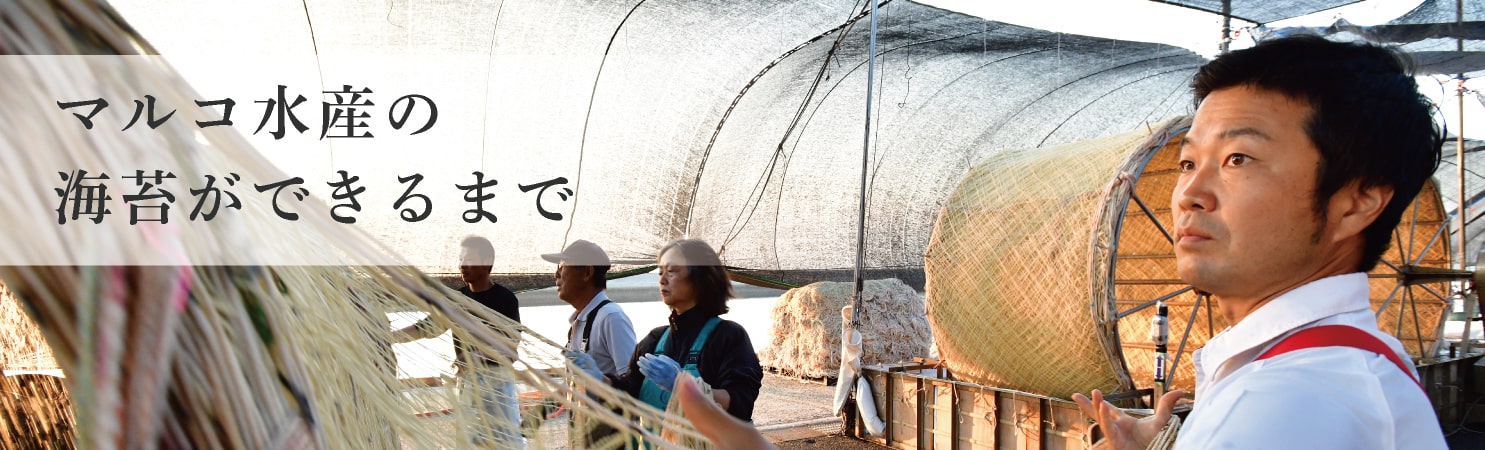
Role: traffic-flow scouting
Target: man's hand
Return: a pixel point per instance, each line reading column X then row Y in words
column 1122, row 431
column 713, row 422
column 659, row 369
column 584, row 362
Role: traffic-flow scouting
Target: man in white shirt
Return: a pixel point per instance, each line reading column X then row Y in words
column 1301, row 158
column 601, row 338
column 599, row 326
column 1299, row 163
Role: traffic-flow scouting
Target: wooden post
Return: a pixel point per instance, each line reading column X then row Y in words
column 1041, row 422
column 890, row 399
column 953, row 417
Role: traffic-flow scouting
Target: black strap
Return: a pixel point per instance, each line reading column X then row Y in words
column 588, row 327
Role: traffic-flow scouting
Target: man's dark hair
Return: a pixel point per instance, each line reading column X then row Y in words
column 1368, row 120
column 600, row 277
column 706, row 274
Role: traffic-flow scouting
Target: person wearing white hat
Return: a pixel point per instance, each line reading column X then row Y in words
column 599, row 326
column 600, row 339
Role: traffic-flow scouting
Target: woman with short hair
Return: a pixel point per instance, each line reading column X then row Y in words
column 694, row 284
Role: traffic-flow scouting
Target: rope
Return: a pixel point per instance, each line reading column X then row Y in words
column 1166, row 438
column 738, row 275
column 629, row 273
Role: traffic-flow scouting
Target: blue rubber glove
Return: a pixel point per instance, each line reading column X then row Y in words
column 584, row 362
column 659, row 369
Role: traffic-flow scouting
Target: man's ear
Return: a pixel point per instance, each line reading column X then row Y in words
column 1353, row 208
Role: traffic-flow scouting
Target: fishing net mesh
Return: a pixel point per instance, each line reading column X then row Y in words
column 806, row 339
column 243, row 334
column 1008, row 291
column 1021, row 246
column 166, row 342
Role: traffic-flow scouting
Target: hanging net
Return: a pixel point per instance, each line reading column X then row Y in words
column 167, row 342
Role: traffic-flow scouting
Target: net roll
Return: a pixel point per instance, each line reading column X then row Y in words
column 1045, row 264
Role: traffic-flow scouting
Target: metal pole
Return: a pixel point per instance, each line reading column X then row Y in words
column 1160, row 336
column 1226, row 25
column 850, row 416
column 1469, row 304
column 871, row 66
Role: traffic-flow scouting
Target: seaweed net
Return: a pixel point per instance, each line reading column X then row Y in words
column 240, row 333
column 1010, row 249
column 806, row 340
column 724, row 121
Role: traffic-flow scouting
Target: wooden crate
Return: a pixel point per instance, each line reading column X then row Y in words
column 1451, row 387
column 924, row 409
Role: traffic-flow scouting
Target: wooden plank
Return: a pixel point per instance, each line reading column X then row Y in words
column 1017, row 416
column 996, row 423
column 889, row 396
column 909, row 367
column 975, row 418
column 1031, row 419
column 948, row 417
column 1068, row 430
column 940, row 413
column 927, row 361
column 1043, row 415
column 907, row 417
column 953, row 417
column 1446, row 383
column 922, row 429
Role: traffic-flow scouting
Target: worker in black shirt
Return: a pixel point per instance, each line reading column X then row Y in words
column 694, row 284
column 487, row 386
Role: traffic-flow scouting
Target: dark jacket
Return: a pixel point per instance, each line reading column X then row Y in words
column 727, row 359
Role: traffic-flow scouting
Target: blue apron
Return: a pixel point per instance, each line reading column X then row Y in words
column 651, row 393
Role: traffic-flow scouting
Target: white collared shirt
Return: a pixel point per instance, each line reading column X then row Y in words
column 612, row 342
column 1329, row 397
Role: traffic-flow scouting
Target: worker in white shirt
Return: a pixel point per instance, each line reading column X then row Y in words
column 600, row 338
column 1298, row 165
column 1301, row 158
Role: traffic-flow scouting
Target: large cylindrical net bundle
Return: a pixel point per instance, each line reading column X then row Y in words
column 247, row 331
column 1046, row 265
column 1008, row 268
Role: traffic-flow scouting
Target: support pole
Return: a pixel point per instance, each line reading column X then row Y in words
column 1469, row 300
column 1226, row 25
column 845, row 398
column 871, row 66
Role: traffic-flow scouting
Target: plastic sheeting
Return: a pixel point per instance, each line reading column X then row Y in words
column 1435, row 48
column 1474, row 178
column 1442, row 36
column 731, row 122
column 1442, row 11
column 1260, row 11
column 1447, row 36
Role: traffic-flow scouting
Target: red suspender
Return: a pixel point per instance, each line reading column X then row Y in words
column 1337, row 336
